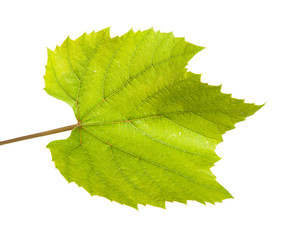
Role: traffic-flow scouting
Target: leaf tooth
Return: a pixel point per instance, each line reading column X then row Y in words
column 64, row 44
column 108, row 29
column 131, row 29
column 68, row 39
column 180, row 38
column 50, row 54
column 84, row 34
column 171, row 35
column 130, row 32
column 219, row 87
column 156, row 32
column 151, row 30
column 49, row 51
column 57, row 49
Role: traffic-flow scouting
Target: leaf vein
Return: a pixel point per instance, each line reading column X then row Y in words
column 159, row 165
column 126, row 178
column 134, row 77
column 169, row 145
column 102, row 178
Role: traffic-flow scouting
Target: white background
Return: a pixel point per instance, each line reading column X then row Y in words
column 248, row 51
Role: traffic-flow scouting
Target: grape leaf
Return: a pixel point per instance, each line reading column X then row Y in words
column 147, row 128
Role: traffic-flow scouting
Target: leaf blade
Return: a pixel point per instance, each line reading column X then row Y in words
column 147, row 128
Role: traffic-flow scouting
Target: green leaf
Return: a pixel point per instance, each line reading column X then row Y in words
column 147, row 128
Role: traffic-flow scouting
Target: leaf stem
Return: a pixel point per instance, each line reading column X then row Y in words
column 40, row 134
